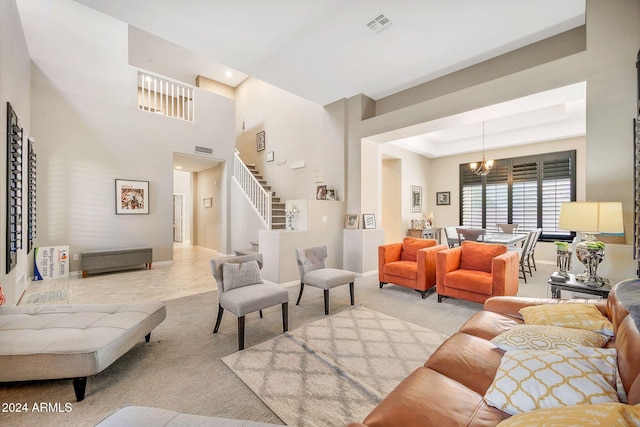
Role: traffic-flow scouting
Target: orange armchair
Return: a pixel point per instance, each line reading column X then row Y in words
column 411, row 263
column 476, row 271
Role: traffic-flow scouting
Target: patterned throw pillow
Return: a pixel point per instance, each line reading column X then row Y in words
column 605, row 414
column 533, row 379
column 545, row 337
column 578, row 316
column 238, row 275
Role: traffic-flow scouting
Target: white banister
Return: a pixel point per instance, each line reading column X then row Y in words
column 259, row 197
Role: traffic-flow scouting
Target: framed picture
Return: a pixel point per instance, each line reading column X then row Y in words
column 321, row 192
column 207, row 202
column 132, row 197
column 443, row 198
column 416, row 198
column 269, row 156
column 368, row 221
column 260, row 141
column 331, row 194
column 351, row 221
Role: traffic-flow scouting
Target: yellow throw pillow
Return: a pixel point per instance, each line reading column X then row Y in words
column 568, row 315
column 545, row 337
column 605, row 414
column 533, row 379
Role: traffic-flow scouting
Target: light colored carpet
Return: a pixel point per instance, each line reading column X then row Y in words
column 334, row 370
column 181, row 368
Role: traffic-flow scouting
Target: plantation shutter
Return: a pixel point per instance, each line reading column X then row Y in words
column 557, row 172
column 524, row 193
column 497, row 195
column 471, row 198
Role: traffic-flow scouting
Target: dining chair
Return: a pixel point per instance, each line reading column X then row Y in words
column 523, row 252
column 451, row 234
column 508, row 228
column 471, row 234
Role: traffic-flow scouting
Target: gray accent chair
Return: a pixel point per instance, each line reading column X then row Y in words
column 247, row 299
column 313, row 272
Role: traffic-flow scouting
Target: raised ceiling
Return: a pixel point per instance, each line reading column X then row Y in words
column 326, row 50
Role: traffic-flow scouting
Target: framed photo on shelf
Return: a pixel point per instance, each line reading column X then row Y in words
column 260, row 141
column 321, row 192
column 443, row 198
column 132, row 197
column 351, row 221
column 368, row 221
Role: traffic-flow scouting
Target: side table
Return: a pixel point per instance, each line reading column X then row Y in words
column 572, row 285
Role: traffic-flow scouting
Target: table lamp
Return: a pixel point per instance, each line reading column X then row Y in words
column 590, row 218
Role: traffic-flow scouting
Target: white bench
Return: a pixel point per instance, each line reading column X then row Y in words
column 43, row 342
column 115, row 259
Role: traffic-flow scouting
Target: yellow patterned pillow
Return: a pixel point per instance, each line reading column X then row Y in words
column 545, row 337
column 605, row 414
column 578, row 316
column 533, row 379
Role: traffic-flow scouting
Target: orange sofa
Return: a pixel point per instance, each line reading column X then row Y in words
column 476, row 271
column 411, row 263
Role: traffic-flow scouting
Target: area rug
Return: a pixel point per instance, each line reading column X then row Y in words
column 334, row 370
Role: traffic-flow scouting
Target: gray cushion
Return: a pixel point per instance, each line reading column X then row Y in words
column 140, row 416
column 328, row 278
column 310, row 259
column 65, row 341
column 239, row 275
column 252, row 298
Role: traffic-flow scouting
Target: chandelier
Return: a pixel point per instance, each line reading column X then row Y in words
column 485, row 166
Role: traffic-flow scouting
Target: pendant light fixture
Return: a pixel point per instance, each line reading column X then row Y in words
column 483, row 168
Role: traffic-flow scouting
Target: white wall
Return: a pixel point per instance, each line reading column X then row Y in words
column 295, row 130
column 15, row 74
column 91, row 132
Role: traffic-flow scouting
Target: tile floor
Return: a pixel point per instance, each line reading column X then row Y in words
column 189, row 274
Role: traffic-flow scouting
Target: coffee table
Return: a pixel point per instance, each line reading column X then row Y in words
column 573, row 285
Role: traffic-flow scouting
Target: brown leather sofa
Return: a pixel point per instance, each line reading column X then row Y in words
column 411, row 264
column 448, row 390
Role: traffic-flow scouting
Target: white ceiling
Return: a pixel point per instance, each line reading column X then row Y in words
column 323, row 50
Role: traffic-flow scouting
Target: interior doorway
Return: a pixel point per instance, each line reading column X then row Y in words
column 178, row 218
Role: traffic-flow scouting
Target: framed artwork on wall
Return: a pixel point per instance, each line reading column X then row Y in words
column 368, row 221
column 416, row 198
column 132, row 197
column 260, row 141
column 269, row 156
column 443, row 198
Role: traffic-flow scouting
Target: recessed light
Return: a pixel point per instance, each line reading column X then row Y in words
column 178, row 167
column 228, row 74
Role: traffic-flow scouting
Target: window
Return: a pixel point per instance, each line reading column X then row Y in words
column 160, row 96
column 524, row 190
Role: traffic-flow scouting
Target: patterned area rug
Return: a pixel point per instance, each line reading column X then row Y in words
column 335, row 370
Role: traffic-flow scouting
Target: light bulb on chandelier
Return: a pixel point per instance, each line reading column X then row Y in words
column 485, row 166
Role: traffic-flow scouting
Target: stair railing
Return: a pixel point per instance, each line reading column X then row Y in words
column 257, row 195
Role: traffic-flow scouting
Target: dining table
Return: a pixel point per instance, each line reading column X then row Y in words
column 509, row 239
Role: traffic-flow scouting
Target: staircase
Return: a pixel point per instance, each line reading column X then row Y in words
column 278, row 217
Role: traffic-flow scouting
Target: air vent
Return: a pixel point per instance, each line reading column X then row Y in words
column 380, row 23
column 204, row 150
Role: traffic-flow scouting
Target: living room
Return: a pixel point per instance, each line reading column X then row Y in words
column 88, row 130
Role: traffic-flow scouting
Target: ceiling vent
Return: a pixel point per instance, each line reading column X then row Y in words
column 379, row 24
column 204, row 150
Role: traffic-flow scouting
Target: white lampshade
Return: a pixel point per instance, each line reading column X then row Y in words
column 591, row 217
